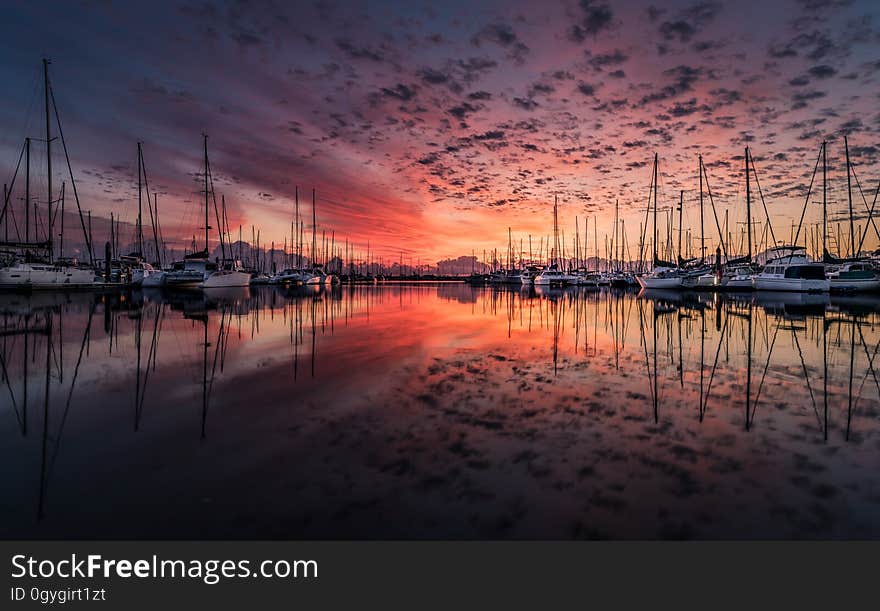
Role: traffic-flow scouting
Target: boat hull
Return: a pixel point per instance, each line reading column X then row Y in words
column 45, row 277
column 226, row 279
column 154, row 280
column 649, row 282
column 855, row 285
column 797, row 285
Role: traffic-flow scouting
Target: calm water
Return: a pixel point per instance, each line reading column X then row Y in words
column 439, row 412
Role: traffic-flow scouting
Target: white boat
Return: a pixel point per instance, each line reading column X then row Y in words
column 661, row 278
column 28, row 275
column 142, row 273
column 789, row 269
column 855, row 276
column 315, row 277
column 739, row 278
column 187, row 274
column 554, row 276
column 225, row 274
column 43, row 271
column 288, row 276
column 259, row 278
column 589, row 279
column 528, row 275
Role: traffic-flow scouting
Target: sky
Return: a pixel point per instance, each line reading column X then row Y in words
column 429, row 129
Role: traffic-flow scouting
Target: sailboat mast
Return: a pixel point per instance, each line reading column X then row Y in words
column 680, row 224
column 655, row 206
column 596, row 240
column 27, row 189
column 205, row 137
column 852, row 243
column 49, row 152
column 555, row 229
column 295, row 236
column 702, row 226
column 140, row 231
column 616, row 237
column 748, row 204
column 314, row 230
column 824, row 203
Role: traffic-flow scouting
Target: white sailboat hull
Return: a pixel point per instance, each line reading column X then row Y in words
column 800, row 285
column 651, row 282
column 226, row 279
column 40, row 276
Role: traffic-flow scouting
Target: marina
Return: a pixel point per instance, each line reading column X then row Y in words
column 460, row 272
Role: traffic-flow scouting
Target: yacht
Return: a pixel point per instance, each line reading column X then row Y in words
column 189, row 273
column 738, row 278
column 25, row 275
column 317, row 276
column 37, row 267
column 140, row 270
column 224, row 274
column 661, row 278
column 553, row 276
column 854, row 276
column 789, row 269
column 528, row 275
column 154, row 278
column 288, row 276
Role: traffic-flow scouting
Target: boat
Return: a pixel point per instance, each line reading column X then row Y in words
column 33, row 264
column 788, row 268
column 26, row 275
column 287, row 276
column 528, row 275
column 226, row 273
column 664, row 275
column 856, row 273
column 856, row 276
column 317, row 276
column 189, row 273
column 553, row 276
column 738, row 278
column 661, row 278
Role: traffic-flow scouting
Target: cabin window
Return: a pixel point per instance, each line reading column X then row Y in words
column 806, row 272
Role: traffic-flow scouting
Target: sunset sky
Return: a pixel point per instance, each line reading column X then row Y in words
column 430, row 128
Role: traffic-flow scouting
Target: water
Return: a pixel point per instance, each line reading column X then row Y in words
column 439, row 411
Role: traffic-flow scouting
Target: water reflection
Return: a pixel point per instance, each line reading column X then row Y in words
column 439, row 411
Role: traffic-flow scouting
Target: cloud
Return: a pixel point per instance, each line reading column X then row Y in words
column 586, row 88
column 683, row 78
column 525, row 103
column 822, row 71
column 604, row 60
column 400, row 91
column 502, row 35
column 595, row 17
column 356, row 52
column 689, row 22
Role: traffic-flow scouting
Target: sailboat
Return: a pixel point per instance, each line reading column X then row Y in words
column 665, row 275
column 738, row 274
column 788, row 268
column 854, row 274
column 197, row 270
column 317, row 276
column 142, row 273
column 554, row 274
column 34, row 265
